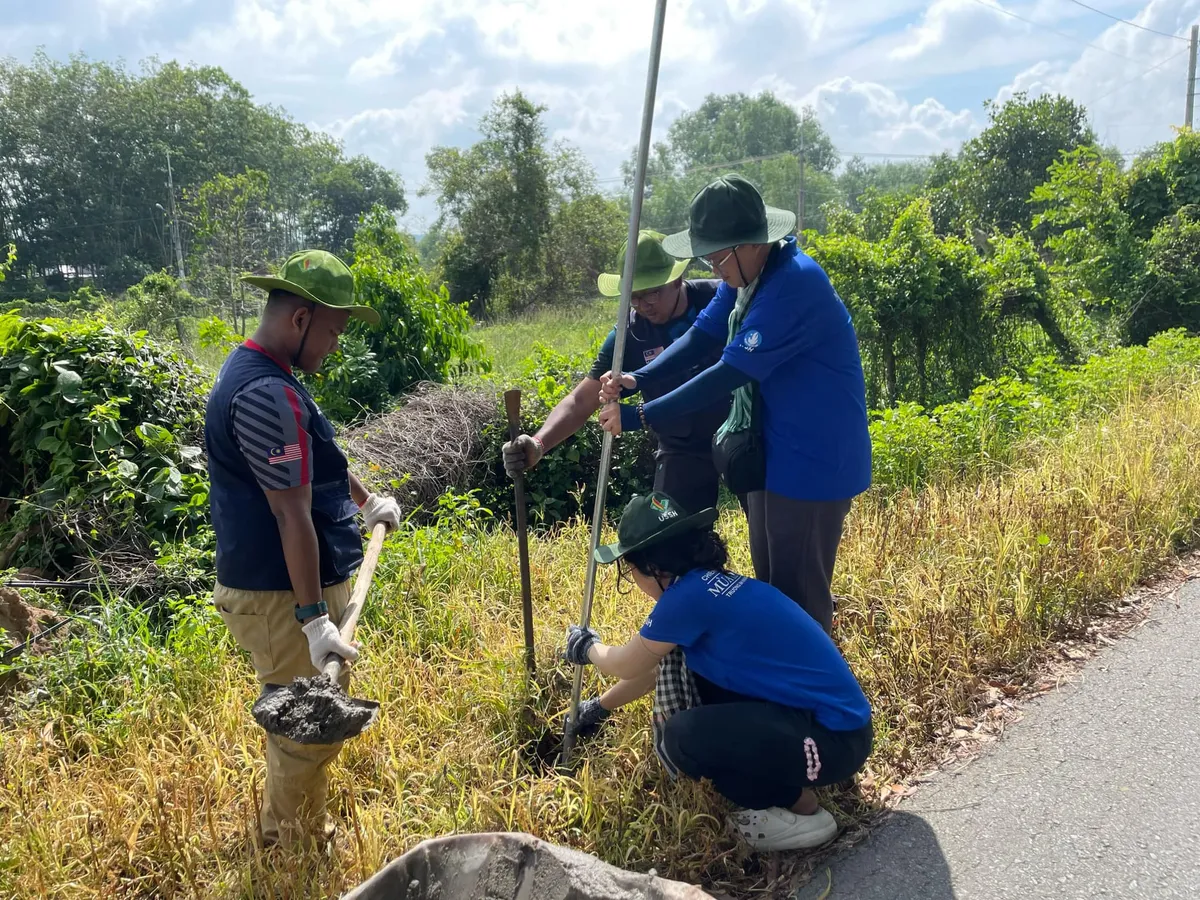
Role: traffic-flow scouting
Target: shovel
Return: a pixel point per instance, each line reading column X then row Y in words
column 512, row 406
column 315, row 710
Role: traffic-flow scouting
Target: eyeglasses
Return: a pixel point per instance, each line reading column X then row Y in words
column 646, row 298
column 724, row 259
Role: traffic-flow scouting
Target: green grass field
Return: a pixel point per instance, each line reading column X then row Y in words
column 569, row 329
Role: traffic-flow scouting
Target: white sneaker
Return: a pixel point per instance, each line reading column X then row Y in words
column 781, row 829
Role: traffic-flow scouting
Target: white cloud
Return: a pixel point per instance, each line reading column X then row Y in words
column 866, row 117
column 392, row 78
column 947, row 22
column 400, row 136
column 1135, row 100
column 123, row 12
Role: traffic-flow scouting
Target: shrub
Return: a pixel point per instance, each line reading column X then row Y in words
column 913, row 446
column 423, row 336
column 159, row 305
column 102, row 432
column 449, row 439
column 349, row 383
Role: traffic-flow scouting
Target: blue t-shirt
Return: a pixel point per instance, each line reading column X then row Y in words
column 747, row 636
column 798, row 343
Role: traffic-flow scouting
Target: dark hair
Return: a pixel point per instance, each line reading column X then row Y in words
column 678, row 555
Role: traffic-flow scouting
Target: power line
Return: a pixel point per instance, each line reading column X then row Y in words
column 1130, row 81
column 1176, row 37
column 1044, row 27
column 866, row 154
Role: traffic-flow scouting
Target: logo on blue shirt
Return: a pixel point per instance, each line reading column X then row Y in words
column 752, row 340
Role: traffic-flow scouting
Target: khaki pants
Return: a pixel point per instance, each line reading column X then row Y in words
column 264, row 624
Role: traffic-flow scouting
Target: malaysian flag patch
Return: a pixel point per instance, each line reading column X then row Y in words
column 288, row 453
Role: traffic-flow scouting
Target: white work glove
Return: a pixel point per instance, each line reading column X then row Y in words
column 381, row 509
column 323, row 639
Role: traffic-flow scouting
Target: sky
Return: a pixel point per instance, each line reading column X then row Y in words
column 888, row 78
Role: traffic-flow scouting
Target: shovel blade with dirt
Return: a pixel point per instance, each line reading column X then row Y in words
column 315, row 709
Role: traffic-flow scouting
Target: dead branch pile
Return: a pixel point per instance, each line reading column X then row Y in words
column 432, row 444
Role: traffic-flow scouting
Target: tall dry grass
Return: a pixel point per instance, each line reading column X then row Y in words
column 139, row 778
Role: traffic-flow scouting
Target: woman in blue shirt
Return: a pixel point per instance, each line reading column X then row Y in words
column 767, row 708
column 789, row 341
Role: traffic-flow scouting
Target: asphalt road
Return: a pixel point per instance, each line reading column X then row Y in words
column 1094, row 794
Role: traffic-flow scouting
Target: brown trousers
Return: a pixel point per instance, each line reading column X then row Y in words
column 264, row 624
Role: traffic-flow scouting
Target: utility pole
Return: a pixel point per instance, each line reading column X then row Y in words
column 175, row 225
column 800, row 202
column 1191, row 85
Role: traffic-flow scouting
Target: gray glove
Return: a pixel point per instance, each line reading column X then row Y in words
column 591, row 716
column 522, row 454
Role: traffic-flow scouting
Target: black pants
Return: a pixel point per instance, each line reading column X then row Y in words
column 794, row 545
column 759, row 754
column 687, row 478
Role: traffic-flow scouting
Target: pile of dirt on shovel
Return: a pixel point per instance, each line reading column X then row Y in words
column 313, row 711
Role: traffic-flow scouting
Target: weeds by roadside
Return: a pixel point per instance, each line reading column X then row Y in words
column 130, row 770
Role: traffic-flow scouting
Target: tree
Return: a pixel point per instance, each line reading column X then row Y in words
column 83, row 167
column 917, row 301
column 229, row 216
column 1171, row 294
column 858, row 178
column 502, row 200
column 730, row 127
column 1097, row 256
column 990, row 183
column 760, row 137
column 157, row 304
column 1163, row 182
column 343, row 194
column 1019, row 286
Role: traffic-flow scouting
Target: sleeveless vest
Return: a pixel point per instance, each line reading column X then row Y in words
column 249, row 548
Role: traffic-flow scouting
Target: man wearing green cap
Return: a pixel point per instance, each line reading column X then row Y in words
column 283, row 505
column 796, row 440
column 664, row 306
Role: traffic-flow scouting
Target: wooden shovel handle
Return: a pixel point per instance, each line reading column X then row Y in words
column 512, row 406
column 362, row 584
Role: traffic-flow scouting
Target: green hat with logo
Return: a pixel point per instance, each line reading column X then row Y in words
column 728, row 212
column 652, row 268
column 649, row 519
column 318, row 277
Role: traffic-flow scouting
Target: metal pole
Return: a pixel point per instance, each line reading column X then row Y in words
column 635, row 217
column 1191, row 85
column 800, row 211
column 175, row 226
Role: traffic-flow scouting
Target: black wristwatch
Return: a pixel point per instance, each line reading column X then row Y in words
column 311, row 611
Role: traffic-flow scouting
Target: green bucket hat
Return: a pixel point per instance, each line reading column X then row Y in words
column 649, row 519
column 728, row 212
column 652, row 268
column 318, row 277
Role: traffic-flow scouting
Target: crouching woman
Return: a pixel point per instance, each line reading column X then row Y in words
column 765, row 707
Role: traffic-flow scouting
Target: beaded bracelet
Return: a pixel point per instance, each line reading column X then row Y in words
column 641, row 408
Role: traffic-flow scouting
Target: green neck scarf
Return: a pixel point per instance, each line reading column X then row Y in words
column 741, row 412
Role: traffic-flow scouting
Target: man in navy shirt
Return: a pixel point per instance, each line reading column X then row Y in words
column 664, row 306
column 283, row 507
column 784, row 334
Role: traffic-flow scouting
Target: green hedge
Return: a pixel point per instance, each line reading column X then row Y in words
column 101, row 433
